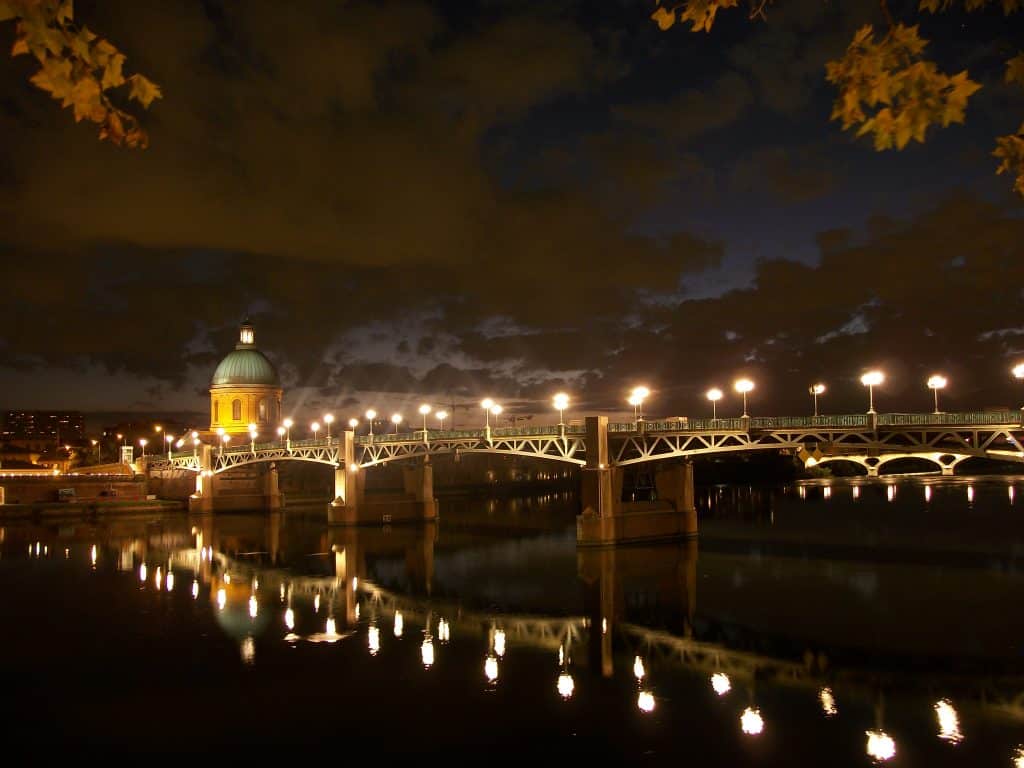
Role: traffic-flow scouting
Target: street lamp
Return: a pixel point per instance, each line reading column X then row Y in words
column 872, row 379
column 328, row 420
column 252, row 438
column 496, row 412
column 195, row 445
column 352, row 424
column 315, row 426
column 370, row 416
column 96, row 443
column 224, row 440
column 561, row 402
column 424, row 410
column 814, row 390
column 714, row 395
column 441, row 416
column 158, row 429
column 396, row 419
column 142, row 442
column 121, row 438
column 280, row 433
column 935, row 383
column 743, row 386
column 487, row 404
column 636, row 399
column 169, row 439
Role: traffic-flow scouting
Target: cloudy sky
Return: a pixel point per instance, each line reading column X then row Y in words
column 448, row 200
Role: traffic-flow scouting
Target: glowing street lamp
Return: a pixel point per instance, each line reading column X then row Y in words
column 96, row 444
column 487, row 404
column 714, row 395
column 122, row 439
column 252, row 438
column 370, row 416
column 169, row 440
column 328, row 420
column 396, row 419
column 636, row 398
column 872, row 379
column 496, row 412
column 814, row 390
column 424, row 412
column 158, row 429
column 195, row 445
column 751, row 722
column 880, row 746
column 561, row 402
column 315, row 426
column 353, row 423
column 224, row 440
column 280, row 434
column 743, row 386
column 142, row 442
column 935, row 383
column 441, row 416
column 288, row 431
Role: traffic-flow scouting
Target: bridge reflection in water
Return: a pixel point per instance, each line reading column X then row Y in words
column 268, row 582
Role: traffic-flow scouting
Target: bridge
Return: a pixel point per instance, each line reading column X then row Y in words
column 603, row 450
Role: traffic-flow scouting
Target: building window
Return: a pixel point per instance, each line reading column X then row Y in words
column 236, row 410
column 263, row 409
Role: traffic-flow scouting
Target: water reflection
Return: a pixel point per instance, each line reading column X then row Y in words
column 633, row 615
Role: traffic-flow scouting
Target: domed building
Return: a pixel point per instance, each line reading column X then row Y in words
column 245, row 389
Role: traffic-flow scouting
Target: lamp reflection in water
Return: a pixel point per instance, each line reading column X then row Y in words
column 331, row 628
column 444, row 632
column 254, row 607
column 645, row 701
column 970, row 494
column 828, row 702
column 427, row 651
column 92, row 555
column 949, row 722
column 1009, row 492
column 890, row 492
column 491, row 668
column 158, row 579
column 195, row 589
column 222, row 598
column 373, row 639
column 142, row 572
column 399, row 623
column 927, row 493
column 289, row 619
column 720, row 683
column 169, row 583
column 638, row 668
column 856, row 491
column 880, row 745
column 499, row 642
column 751, row 721
column 316, row 603
column 249, row 650
column 1018, row 757
column 565, row 685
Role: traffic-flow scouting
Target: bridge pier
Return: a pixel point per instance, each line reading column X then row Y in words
column 201, row 502
column 350, row 506
column 272, row 489
column 606, row 520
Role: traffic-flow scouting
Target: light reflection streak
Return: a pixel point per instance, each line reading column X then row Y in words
column 289, row 619
column 427, row 652
column 316, row 603
column 751, row 721
column 222, row 598
column 645, row 701
column 856, row 492
column 142, row 572
column 890, row 492
column 195, row 589
column 491, row 668
column 158, row 578
column 170, row 581
column 828, row 702
column 249, row 650
column 373, row 639
column 254, row 607
column 499, row 642
column 970, row 494
column 927, row 493
column 720, row 683
column 92, row 555
column 638, row 668
column 880, row 745
column 565, row 685
column 444, row 632
column 399, row 624
column 949, row 722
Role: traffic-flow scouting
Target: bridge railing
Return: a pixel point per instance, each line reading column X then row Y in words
column 975, row 418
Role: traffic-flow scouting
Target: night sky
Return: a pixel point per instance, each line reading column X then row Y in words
column 445, row 201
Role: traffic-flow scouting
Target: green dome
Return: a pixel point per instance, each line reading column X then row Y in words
column 245, row 367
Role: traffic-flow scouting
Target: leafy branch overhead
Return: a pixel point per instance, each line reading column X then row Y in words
column 80, row 69
column 886, row 86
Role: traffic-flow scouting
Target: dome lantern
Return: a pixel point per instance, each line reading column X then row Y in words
column 245, row 388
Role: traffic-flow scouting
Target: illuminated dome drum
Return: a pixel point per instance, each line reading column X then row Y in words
column 245, row 389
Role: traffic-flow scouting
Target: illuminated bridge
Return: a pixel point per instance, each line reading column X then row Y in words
column 603, row 450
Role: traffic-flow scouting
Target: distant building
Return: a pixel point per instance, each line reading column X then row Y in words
column 40, row 430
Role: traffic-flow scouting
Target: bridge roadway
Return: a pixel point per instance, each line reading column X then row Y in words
column 871, row 440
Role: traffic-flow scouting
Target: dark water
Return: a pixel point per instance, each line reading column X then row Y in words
column 840, row 618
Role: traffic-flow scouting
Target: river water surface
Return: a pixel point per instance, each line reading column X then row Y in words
column 826, row 623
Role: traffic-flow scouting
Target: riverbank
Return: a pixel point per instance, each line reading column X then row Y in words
column 58, row 509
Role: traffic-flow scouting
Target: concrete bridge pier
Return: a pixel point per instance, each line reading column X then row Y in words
column 201, row 502
column 272, row 489
column 606, row 520
column 418, row 481
column 349, row 485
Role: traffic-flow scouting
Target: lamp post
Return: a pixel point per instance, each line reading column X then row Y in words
column 636, row 399
column 142, row 442
column 487, row 404
column 252, row 438
column 872, row 379
column 814, row 390
column 441, row 416
column 315, row 426
column 424, row 411
column 496, row 412
column 96, row 445
column 224, row 440
column 280, row 434
column 288, row 432
column 743, row 386
column 353, row 423
column 935, row 383
column 561, row 402
column 169, row 439
column 396, row 419
column 370, row 416
column 195, row 446
column 328, row 420
column 122, row 439
column 714, row 395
